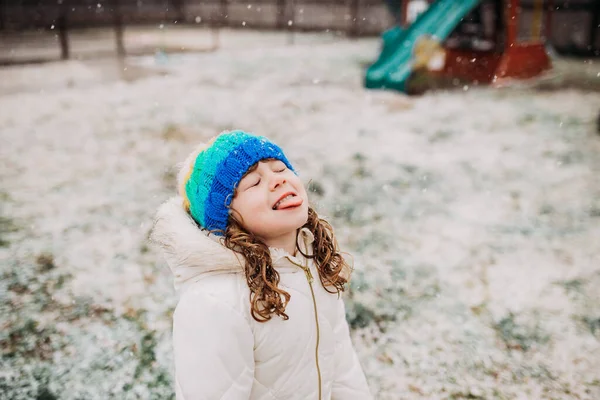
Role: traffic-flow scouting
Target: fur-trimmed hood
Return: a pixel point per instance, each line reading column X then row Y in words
column 188, row 250
column 193, row 254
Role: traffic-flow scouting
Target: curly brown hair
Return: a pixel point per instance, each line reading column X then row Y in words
column 266, row 298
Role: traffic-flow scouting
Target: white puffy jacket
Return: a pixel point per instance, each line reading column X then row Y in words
column 221, row 352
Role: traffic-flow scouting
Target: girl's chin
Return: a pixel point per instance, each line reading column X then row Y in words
column 294, row 222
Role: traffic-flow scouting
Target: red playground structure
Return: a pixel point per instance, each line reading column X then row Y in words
column 519, row 51
column 480, row 41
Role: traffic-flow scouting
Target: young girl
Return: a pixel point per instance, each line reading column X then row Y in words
column 260, row 275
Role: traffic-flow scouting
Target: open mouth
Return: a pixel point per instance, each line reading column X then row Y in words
column 288, row 200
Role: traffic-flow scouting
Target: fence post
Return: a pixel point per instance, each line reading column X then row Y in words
column 62, row 30
column 179, row 6
column 118, row 20
column 594, row 28
column 291, row 23
column 218, row 23
column 280, row 22
column 2, row 15
column 354, row 6
column 223, row 10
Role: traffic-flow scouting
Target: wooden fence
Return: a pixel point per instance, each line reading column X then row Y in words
column 353, row 16
column 575, row 23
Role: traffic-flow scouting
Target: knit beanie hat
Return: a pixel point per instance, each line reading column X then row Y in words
column 214, row 171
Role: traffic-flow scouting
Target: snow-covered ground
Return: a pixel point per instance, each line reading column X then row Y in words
column 473, row 216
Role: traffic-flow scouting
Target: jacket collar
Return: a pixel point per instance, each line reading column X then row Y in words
column 305, row 241
column 192, row 254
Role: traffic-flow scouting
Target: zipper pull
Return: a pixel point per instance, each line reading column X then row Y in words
column 308, row 274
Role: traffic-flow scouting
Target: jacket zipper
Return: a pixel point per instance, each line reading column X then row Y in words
column 310, row 279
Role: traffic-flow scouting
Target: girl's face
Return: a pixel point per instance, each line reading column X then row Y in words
column 271, row 202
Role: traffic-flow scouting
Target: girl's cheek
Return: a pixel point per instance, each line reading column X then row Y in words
column 256, row 204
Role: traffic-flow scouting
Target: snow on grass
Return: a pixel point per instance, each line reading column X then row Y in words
column 473, row 217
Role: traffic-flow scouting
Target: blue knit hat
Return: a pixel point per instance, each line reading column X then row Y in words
column 210, row 183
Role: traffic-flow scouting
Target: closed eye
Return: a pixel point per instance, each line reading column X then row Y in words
column 279, row 166
column 248, row 182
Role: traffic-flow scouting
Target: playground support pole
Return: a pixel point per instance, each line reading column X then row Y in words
column 404, row 12
column 548, row 30
column 536, row 23
column 512, row 21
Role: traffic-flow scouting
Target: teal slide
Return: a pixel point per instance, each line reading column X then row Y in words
column 395, row 63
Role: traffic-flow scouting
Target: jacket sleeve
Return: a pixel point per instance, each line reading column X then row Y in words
column 349, row 379
column 213, row 350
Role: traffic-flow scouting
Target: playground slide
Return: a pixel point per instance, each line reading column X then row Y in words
column 395, row 63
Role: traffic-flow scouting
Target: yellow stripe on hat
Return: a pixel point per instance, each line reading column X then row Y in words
column 188, row 165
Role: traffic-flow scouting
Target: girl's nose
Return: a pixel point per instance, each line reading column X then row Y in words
column 276, row 181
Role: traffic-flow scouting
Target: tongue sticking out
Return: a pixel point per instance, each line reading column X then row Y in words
column 289, row 202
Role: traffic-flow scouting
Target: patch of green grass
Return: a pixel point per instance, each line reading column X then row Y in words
column 374, row 240
column 593, row 324
column 359, row 315
column 169, row 179
column 7, row 226
column 595, row 212
column 173, row 133
column 45, row 394
column 441, row 135
column 30, row 340
column 147, row 354
column 144, row 248
column 464, row 395
column 546, row 209
column 571, row 157
column 572, row 286
column 359, row 157
column 520, row 336
column 30, row 294
column 527, row 119
column 393, row 301
column 316, row 187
